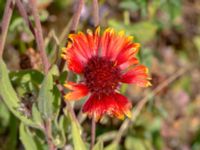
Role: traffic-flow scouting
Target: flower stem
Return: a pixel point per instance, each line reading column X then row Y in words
column 24, row 14
column 48, row 131
column 39, row 36
column 5, row 23
column 95, row 10
column 40, row 44
column 93, row 133
column 73, row 26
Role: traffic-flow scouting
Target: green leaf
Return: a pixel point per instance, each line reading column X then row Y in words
column 112, row 146
column 4, row 117
column 26, row 138
column 63, row 77
column 36, row 115
column 24, row 76
column 12, row 137
column 46, row 98
column 9, row 95
column 99, row 145
column 60, row 129
column 56, row 101
column 76, row 136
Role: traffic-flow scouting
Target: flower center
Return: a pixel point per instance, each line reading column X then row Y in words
column 101, row 75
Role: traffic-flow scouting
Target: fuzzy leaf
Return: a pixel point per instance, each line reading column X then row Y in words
column 46, row 97
column 26, row 138
column 99, row 145
column 76, row 136
column 9, row 95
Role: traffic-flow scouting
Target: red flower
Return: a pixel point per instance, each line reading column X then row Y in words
column 103, row 62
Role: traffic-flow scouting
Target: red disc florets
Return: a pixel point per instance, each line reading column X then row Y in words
column 101, row 76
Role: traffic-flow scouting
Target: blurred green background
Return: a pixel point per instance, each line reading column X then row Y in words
column 169, row 33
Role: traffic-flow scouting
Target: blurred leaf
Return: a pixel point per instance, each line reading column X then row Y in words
column 183, row 83
column 197, row 43
column 15, row 23
column 9, row 96
column 44, row 15
column 4, row 117
column 26, row 138
column 12, row 137
column 132, row 143
column 99, row 145
column 76, row 136
column 59, row 135
column 129, row 5
column 144, row 31
column 46, row 98
column 173, row 8
column 155, row 125
column 146, row 56
column 153, row 7
column 123, row 88
column 112, row 146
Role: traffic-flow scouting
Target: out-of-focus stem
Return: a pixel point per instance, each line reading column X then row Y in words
column 95, row 12
column 5, row 23
column 76, row 16
column 39, row 36
column 24, row 14
column 93, row 133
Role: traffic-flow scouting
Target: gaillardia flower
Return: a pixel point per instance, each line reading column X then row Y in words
column 103, row 62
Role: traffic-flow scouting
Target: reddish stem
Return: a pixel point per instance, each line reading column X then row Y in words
column 95, row 12
column 24, row 14
column 93, row 133
column 5, row 23
column 39, row 36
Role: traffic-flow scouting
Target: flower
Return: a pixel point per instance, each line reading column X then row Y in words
column 103, row 62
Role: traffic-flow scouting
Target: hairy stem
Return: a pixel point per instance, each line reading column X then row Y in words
column 39, row 36
column 5, row 23
column 48, row 132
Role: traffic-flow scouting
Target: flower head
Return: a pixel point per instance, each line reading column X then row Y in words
column 104, row 61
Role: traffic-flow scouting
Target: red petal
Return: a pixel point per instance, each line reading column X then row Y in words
column 93, row 41
column 123, row 104
column 78, row 91
column 113, row 105
column 106, row 40
column 75, row 65
column 131, row 61
column 137, row 75
column 75, row 61
column 127, row 53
